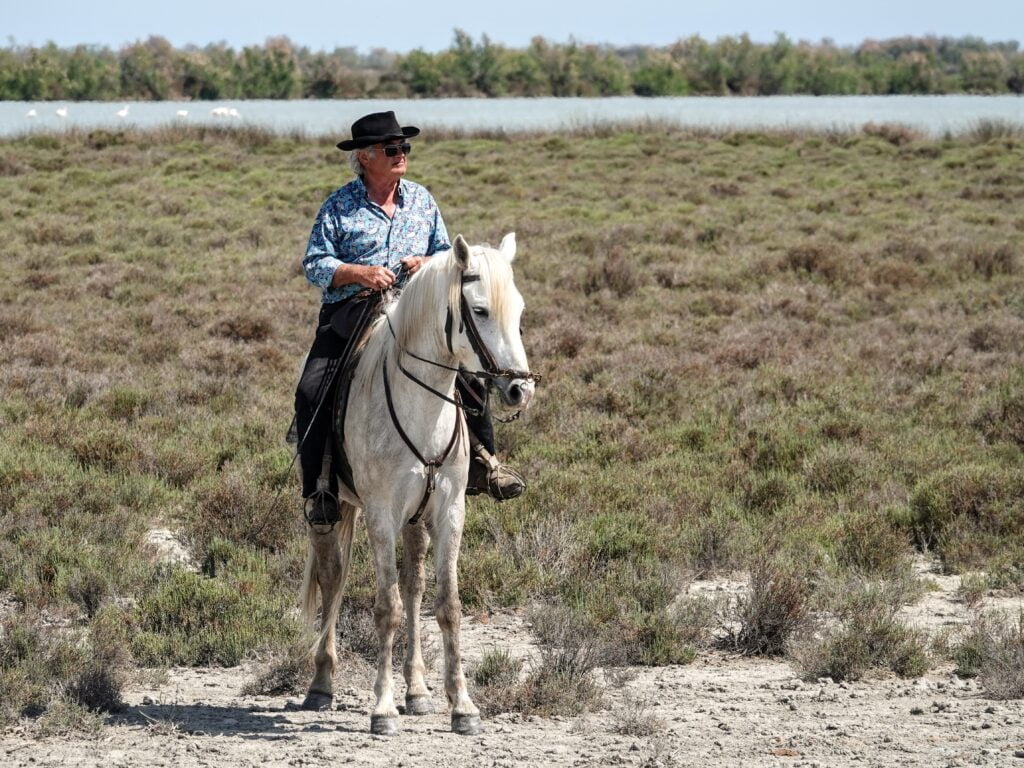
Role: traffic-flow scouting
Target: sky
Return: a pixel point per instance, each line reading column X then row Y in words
column 402, row 27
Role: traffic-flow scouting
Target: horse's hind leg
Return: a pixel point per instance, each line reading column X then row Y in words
column 329, row 552
column 414, row 550
column 387, row 614
column 448, row 608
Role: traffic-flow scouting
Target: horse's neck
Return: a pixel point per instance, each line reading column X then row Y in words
column 426, row 418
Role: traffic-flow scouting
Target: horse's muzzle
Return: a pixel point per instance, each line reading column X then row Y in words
column 515, row 392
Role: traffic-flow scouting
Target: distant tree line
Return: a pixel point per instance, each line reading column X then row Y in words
column 154, row 70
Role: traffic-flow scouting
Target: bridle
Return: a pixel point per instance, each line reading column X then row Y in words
column 490, row 373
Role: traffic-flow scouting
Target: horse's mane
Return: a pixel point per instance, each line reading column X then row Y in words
column 435, row 285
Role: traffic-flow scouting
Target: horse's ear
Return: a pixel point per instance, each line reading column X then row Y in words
column 461, row 252
column 508, row 247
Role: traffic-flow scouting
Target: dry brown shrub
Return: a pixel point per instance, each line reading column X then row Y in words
column 48, row 231
column 15, row 322
column 616, row 273
column 726, row 189
column 895, row 133
column 745, row 349
column 991, row 260
column 243, row 328
column 775, row 608
column 815, row 259
column 908, row 250
column 897, row 274
column 993, row 651
column 709, row 236
column 12, row 166
column 236, row 507
column 989, row 337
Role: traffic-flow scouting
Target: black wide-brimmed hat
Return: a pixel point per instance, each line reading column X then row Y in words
column 375, row 128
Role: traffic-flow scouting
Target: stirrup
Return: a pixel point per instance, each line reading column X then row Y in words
column 488, row 475
column 322, row 508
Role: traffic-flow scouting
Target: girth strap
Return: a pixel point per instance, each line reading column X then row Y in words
column 431, row 465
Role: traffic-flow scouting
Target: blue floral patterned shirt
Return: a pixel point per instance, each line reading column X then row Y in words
column 351, row 228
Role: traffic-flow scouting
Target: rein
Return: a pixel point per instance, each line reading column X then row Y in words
column 431, row 465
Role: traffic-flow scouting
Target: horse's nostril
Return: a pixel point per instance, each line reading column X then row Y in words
column 515, row 393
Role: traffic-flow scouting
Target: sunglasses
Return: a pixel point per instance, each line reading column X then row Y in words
column 391, row 150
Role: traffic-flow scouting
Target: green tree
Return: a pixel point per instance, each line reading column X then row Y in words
column 147, row 70
column 659, row 75
column 421, row 73
column 985, row 72
column 270, row 72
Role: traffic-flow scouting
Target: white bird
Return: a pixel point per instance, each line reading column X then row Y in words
column 182, row 113
column 62, row 112
column 31, row 113
column 122, row 113
column 233, row 112
column 219, row 111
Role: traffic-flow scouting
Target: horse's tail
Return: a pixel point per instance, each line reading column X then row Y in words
column 342, row 551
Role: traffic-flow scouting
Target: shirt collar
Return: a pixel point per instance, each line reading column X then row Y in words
column 403, row 187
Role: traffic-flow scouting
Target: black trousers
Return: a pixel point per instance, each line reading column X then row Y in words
column 319, row 384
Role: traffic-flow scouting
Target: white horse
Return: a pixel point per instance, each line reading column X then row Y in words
column 424, row 338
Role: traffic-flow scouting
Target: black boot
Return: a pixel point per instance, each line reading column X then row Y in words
column 488, row 475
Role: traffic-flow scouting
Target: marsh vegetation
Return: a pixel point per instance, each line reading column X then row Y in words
column 793, row 355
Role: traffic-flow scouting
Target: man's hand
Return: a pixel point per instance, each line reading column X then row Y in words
column 412, row 264
column 376, row 278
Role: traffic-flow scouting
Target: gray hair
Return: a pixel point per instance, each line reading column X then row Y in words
column 353, row 159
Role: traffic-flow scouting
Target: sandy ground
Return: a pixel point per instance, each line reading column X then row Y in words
column 722, row 710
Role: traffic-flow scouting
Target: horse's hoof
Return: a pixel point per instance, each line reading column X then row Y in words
column 317, row 701
column 466, row 725
column 383, row 725
column 419, row 705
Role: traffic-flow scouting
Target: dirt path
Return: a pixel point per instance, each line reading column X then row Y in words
column 719, row 711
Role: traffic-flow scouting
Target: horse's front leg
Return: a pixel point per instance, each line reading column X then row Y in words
column 328, row 573
column 387, row 614
column 447, row 536
column 414, row 550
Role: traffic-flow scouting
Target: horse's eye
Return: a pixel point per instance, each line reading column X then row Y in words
column 481, row 311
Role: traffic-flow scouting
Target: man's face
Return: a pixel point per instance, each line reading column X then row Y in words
column 381, row 168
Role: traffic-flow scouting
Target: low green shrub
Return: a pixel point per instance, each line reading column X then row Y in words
column 868, row 634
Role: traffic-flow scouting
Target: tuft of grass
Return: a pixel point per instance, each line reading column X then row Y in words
column 562, row 682
column 633, row 717
column 776, row 606
column 868, row 635
column 66, row 677
column 993, row 651
column 285, row 672
column 496, row 681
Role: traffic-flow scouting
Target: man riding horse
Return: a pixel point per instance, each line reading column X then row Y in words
column 371, row 235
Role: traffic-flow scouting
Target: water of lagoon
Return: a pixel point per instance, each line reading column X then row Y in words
column 934, row 115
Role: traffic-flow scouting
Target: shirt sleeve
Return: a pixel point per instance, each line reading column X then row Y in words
column 321, row 259
column 439, row 234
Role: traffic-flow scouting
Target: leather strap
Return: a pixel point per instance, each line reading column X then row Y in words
column 431, row 465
